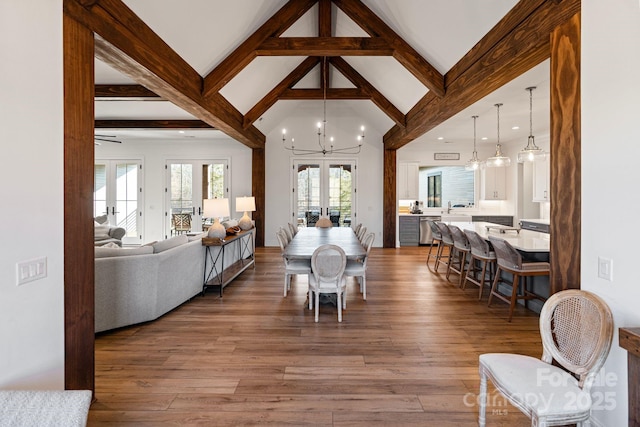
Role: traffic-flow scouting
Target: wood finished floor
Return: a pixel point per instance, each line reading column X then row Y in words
column 408, row 356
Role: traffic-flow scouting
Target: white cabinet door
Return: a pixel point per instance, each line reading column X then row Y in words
column 541, row 179
column 494, row 185
column 408, row 181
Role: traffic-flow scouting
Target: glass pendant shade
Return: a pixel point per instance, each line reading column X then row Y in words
column 531, row 152
column 474, row 162
column 498, row 160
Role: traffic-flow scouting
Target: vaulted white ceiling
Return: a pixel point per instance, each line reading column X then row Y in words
column 204, row 32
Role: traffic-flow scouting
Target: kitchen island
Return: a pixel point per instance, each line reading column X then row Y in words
column 532, row 245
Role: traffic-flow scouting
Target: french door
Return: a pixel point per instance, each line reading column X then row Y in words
column 188, row 183
column 324, row 188
column 118, row 194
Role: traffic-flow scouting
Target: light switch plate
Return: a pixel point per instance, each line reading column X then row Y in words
column 28, row 271
column 605, row 268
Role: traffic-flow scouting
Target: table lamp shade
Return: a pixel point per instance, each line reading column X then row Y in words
column 216, row 208
column 245, row 204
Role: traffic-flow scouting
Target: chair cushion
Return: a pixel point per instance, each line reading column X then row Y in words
column 354, row 268
column 101, row 232
column 535, row 266
column 536, row 386
column 299, row 266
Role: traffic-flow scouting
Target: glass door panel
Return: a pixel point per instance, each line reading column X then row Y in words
column 323, row 188
column 118, row 194
column 189, row 182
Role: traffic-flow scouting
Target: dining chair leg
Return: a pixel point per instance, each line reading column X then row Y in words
column 462, row 269
column 339, row 305
column 364, row 287
column 494, row 287
column 316, row 296
column 482, row 278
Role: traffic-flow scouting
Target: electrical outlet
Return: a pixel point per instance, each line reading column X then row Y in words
column 28, row 271
column 605, row 269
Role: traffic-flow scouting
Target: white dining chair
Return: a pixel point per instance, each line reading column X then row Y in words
column 576, row 329
column 291, row 266
column 358, row 268
column 327, row 277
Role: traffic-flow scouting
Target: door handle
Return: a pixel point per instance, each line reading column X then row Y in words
column 199, row 211
column 113, row 210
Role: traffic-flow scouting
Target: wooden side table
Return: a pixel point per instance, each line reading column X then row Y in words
column 220, row 276
column 630, row 340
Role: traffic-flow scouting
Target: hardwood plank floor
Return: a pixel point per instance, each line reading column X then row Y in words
column 406, row 356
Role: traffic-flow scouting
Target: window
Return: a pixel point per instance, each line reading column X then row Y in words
column 439, row 185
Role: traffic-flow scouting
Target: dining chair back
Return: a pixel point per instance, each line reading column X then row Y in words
column 293, row 229
column 328, row 263
column 445, row 244
column 461, row 248
column 436, row 239
column 576, row 327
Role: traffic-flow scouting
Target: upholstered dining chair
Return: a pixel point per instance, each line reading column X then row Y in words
column 291, row 266
column 481, row 253
column 293, row 229
column 358, row 268
column 327, row 277
column 324, row 223
column 510, row 261
column 287, row 232
column 361, row 233
column 576, row 329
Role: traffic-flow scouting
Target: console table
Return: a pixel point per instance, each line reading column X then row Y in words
column 218, row 275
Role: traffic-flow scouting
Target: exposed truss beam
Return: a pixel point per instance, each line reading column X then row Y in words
column 402, row 51
column 244, row 54
column 521, row 44
column 118, row 92
column 313, row 94
column 127, row 44
column 152, row 124
column 376, row 97
column 324, row 46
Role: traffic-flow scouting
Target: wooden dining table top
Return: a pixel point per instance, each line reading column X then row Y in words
column 308, row 239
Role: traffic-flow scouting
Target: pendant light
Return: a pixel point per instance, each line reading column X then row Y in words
column 498, row 161
column 474, row 163
column 531, row 152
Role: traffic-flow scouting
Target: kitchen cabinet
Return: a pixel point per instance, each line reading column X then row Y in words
column 409, row 230
column 408, row 181
column 494, row 186
column 541, row 178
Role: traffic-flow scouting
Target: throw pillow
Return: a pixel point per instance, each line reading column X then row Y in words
column 101, row 232
column 170, row 243
column 102, row 219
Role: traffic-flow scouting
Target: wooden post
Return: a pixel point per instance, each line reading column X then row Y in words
column 565, row 188
column 258, row 186
column 79, row 262
column 389, row 199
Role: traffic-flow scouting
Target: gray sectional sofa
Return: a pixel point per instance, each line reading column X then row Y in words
column 143, row 283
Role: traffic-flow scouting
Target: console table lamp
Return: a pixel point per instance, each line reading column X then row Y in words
column 216, row 208
column 245, row 204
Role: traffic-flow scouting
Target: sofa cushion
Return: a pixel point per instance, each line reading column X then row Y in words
column 169, row 243
column 102, row 219
column 102, row 252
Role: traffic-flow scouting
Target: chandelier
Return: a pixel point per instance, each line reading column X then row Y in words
column 531, row 152
column 325, row 147
column 474, row 163
column 498, row 160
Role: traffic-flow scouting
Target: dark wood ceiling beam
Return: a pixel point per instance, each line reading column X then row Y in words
column 324, row 18
column 272, row 97
column 402, row 51
column 324, row 46
column 152, row 124
column 124, row 92
column 313, row 94
column 376, row 97
column 524, row 46
column 127, row 44
column 246, row 52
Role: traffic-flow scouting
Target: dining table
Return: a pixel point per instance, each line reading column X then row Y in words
column 308, row 239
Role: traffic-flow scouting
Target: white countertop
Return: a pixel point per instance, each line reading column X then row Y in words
column 525, row 240
column 537, row 221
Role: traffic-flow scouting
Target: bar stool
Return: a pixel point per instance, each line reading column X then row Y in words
column 461, row 248
column 436, row 238
column 482, row 253
column 446, row 243
column 510, row 261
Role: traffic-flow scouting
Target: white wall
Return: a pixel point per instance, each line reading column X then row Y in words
column 31, row 177
column 278, row 171
column 154, row 155
column 610, row 174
